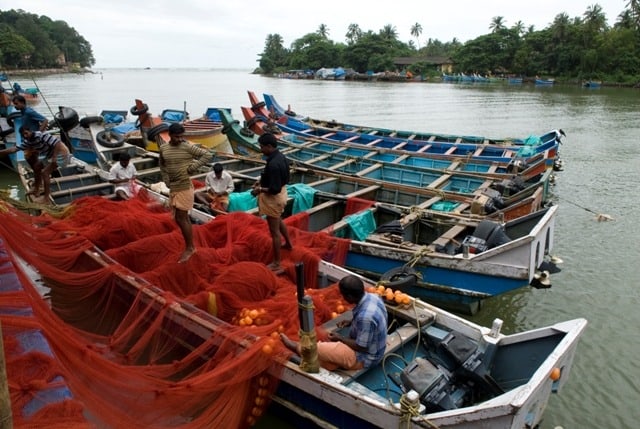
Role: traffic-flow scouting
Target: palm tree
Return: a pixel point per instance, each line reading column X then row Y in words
column 519, row 28
column 497, row 24
column 353, row 33
column 323, row 31
column 595, row 18
column 389, row 32
column 416, row 31
column 634, row 9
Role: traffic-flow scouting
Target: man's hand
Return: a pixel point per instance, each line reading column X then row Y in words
column 334, row 336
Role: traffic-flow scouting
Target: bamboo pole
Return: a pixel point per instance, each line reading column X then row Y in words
column 6, row 421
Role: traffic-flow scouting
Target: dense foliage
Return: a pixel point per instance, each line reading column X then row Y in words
column 31, row 41
column 580, row 47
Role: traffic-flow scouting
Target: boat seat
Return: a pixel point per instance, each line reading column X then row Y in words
column 394, row 340
column 447, row 236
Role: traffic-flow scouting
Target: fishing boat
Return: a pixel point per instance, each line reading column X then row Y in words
column 544, row 82
column 434, row 246
column 398, row 167
column 43, row 399
column 203, row 130
column 414, row 241
column 480, row 148
column 591, row 84
column 122, row 324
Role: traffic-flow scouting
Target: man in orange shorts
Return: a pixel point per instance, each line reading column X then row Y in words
column 271, row 191
column 178, row 160
column 367, row 340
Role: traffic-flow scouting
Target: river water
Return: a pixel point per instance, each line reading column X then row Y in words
column 601, row 272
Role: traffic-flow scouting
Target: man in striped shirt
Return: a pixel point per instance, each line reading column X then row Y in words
column 178, row 160
column 44, row 152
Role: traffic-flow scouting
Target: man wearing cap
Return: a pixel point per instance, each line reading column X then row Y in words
column 219, row 185
column 271, row 191
column 178, row 160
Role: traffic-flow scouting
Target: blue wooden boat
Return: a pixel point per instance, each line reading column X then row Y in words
column 426, row 235
column 30, row 344
column 591, row 84
column 439, row 369
column 544, row 82
column 475, row 147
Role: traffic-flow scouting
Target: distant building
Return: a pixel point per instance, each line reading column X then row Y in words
column 440, row 64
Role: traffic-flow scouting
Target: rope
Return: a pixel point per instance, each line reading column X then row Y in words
column 599, row 216
column 54, row 211
column 418, row 254
column 409, row 410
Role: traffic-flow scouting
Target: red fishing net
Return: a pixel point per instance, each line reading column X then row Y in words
column 133, row 363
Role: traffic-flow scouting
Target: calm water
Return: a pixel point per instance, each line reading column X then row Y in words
column 601, row 273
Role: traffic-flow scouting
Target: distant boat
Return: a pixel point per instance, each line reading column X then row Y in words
column 591, row 84
column 147, row 68
column 545, row 81
column 514, row 80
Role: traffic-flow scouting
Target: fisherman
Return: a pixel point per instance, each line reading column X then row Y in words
column 123, row 175
column 178, row 160
column 271, row 191
column 44, row 152
column 366, row 342
column 219, row 185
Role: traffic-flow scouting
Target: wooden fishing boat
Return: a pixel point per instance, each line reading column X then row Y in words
column 203, row 131
column 415, row 241
column 438, row 370
column 475, row 148
column 544, row 82
column 309, row 149
column 434, row 219
column 24, row 342
column 591, row 84
column 398, row 168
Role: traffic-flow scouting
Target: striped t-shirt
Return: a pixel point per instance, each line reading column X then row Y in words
column 178, row 162
column 41, row 142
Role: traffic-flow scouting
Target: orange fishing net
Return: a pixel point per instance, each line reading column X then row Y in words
column 132, row 363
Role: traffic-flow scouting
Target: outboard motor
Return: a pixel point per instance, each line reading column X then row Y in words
column 487, row 235
column 495, row 201
column 509, row 187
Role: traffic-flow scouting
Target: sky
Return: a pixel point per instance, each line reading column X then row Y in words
column 203, row 33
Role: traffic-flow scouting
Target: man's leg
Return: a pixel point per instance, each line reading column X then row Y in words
column 285, row 233
column 274, row 230
column 182, row 219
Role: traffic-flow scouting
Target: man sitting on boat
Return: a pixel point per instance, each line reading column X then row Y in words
column 44, row 152
column 219, row 185
column 366, row 342
column 123, row 174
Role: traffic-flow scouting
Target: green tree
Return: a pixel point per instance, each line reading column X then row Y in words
column 274, row 56
column 14, row 48
column 353, row 33
column 416, row 31
column 633, row 7
column 323, row 31
column 497, row 24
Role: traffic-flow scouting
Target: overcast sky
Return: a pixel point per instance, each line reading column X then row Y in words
column 231, row 34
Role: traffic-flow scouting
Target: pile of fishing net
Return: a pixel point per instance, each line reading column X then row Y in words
column 131, row 367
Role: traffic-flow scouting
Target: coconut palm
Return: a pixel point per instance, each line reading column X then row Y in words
column 497, row 24
column 353, row 33
column 416, row 31
column 323, row 31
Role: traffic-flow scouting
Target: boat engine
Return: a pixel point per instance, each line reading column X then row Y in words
column 509, row 187
column 487, row 235
column 454, row 374
column 433, row 384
